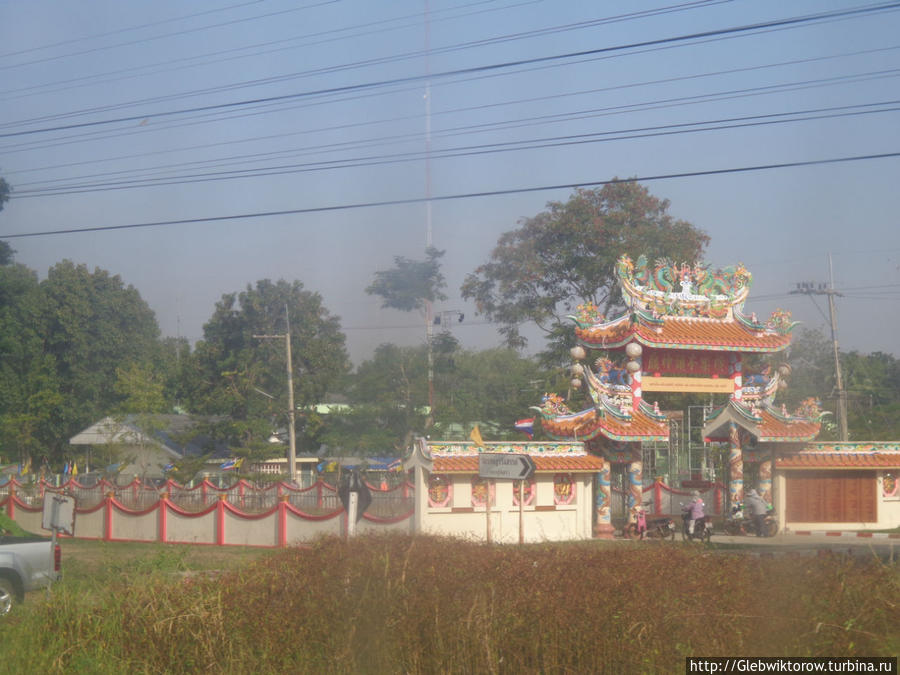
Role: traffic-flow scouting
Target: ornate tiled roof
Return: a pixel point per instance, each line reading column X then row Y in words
column 552, row 463
column 839, row 460
column 593, row 422
column 462, row 457
column 874, row 455
column 764, row 422
column 682, row 333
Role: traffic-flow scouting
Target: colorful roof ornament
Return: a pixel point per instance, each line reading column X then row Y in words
column 604, row 419
column 765, row 422
column 683, row 307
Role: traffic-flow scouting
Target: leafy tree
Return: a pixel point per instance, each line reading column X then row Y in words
column 30, row 397
column 235, row 374
column 410, row 283
column 872, row 382
column 93, row 324
column 491, row 386
column 566, row 256
column 387, row 394
column 5, row 189
column 6, row 253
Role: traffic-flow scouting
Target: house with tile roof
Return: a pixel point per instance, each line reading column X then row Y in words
column 684, row 331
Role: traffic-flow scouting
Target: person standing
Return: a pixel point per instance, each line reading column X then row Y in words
column 758, row 508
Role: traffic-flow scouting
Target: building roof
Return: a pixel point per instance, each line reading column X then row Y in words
column 682, row 332
column 763, row 422
column 599, row 421
column 869, row 455
column 462, row 457
column 175, row 433
column 552, row 463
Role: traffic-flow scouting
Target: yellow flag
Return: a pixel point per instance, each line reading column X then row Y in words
column 476, row 437
column 237, row 464
column 74, row 469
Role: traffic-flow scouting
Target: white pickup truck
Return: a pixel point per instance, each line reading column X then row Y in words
column 26, row 563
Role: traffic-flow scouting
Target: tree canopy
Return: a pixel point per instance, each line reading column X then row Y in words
column 243, row 377
column 566, row 256
column 410, row 283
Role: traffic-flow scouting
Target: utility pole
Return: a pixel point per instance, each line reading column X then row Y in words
column 813, row 288
column 292, row 433
column 429, row 311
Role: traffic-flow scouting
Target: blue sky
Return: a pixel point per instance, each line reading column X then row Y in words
column 319, row 104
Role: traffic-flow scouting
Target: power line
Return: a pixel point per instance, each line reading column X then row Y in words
column 792, row 21
column 450, row 131
column 471, row 195
column 186, row 31
column 459, row 151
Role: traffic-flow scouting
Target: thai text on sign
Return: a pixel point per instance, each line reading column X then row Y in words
column 681, row 362
column 688, row 385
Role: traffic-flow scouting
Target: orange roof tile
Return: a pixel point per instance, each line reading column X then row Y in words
column 761, row 422
column 589, row 424
column 552, row 463
column 774, row 428
column 839, row 460
column 683, row 333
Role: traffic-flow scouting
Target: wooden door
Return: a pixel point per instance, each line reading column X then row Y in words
column 830, row 497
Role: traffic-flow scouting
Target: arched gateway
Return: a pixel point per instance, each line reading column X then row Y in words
column 683, row 331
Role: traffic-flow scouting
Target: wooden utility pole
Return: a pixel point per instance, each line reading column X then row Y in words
column 812, row 288
column 292, row 432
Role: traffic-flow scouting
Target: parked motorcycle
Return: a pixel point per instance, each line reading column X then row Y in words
column 702, row 528
column 655, row 528
column 738, row 524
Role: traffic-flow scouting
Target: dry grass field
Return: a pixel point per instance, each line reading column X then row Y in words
column 398, row 604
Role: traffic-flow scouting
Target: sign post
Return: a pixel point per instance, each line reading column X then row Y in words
column 58, row 516
column 505, row 466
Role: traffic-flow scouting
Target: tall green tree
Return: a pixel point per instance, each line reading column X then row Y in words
column 30, row 395
column 410, row 283
column 235, row 374
column 566, row 256
column 93, row 325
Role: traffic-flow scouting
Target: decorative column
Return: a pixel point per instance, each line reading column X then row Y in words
column 604, row 528
column 635, row 480
column 765, row 480
column 735, row 465
column 634, row 366
column 736, row 378
column 163, row 516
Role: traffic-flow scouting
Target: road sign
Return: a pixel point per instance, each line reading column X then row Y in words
column 59, row 513
column 504, row 466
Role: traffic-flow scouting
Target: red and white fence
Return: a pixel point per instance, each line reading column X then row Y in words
column 242, row 514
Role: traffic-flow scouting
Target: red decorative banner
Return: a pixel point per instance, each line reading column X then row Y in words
column 685, row 362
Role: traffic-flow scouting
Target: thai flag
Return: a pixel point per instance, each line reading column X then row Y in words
column 526, row 427
column 230, row 464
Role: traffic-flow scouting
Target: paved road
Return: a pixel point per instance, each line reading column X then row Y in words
column 849, row 543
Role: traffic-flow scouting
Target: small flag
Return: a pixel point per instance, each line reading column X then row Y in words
column 66, row 469
column 114, row 468
column 476, row 437
column 231, row 464
column 526, row 426
column 74, row 469
column 168, row 467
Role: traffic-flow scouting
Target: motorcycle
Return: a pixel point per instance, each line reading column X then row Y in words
column 702, row 527
column 737, row 524
column 655, row 528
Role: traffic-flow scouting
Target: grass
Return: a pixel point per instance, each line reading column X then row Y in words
column 396, row 604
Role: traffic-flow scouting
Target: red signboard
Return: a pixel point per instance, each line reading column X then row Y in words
column 684, row 362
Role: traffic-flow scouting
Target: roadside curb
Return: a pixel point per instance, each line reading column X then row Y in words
column 832, row 533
